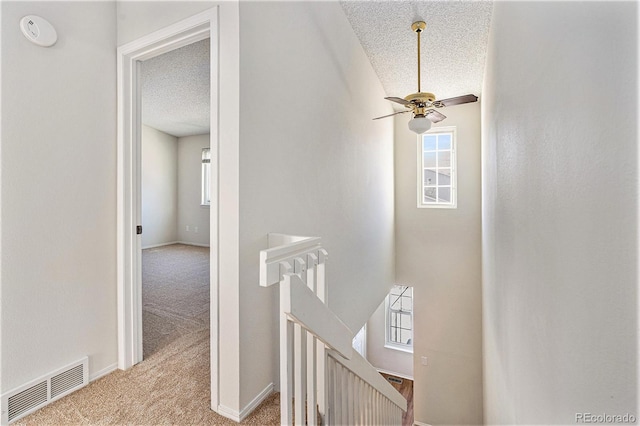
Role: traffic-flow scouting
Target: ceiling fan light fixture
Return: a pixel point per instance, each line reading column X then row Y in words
column 419, row 124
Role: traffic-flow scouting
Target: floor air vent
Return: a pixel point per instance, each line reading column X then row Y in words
column 44, row 390
column 394, row 380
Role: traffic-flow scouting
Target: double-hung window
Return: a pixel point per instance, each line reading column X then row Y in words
column 399, row 321
column 206, row 177
column 437, row 168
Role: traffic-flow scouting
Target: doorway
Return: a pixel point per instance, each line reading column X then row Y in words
column 221, row 26
column 175, row 90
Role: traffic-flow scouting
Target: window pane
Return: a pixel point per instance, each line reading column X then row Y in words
column 429, row 195
column 444, row 141
column 429, row 159
column 444, row 177
column 444, row 159
column 444, row 194
column 405, row 336
column 429, row 143
column 406, row 304
column 430, row 177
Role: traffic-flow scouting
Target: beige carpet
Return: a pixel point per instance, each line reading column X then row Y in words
column 171, row 385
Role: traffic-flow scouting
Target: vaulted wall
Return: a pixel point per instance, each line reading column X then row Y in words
column 560, row 212
column 312, row 162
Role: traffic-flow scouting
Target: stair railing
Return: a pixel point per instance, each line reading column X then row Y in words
column 320, row 373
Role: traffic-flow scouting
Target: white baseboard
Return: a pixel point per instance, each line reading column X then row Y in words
column 416, row 423
column 103, row 372
column 256, row 401
column 238, row 416
column 187, row 243
column 393, row 373
column 161, row 245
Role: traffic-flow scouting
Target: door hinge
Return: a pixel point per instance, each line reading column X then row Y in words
column 139, row 229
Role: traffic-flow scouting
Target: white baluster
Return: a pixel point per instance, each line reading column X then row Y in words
column 300, row 387
column 329, row 386
column 345, row 395
column 361, row 402
column 286, row 370
column 312, row 355
column 321, row 292
column 350, row 397
column 337, row 403
column 312, row 415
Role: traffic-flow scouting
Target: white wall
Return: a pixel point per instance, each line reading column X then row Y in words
column 560, row 191
column 159, row 187
column 390, row 360
column 312, row 162
column 438, row 252
column 139, row 18
column 190, row 212
column 58, row 192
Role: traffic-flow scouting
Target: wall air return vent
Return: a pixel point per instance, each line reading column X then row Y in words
column 36, row 394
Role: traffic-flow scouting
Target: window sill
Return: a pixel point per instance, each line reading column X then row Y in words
column 205, row 205
column 406, row 349
column 437, row 206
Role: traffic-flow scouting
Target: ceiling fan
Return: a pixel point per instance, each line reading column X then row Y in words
column 422, row 104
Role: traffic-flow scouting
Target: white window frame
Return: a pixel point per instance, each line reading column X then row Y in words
column 454, row 169
column 205, row 198
column 388, row 343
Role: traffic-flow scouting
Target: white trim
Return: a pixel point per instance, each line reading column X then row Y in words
column 393, row 373
column 417, row 423
column 129, row 169
column 405, row 349
column 238, row 416
column 98, row 374
column 229, row 413
column 221, row 25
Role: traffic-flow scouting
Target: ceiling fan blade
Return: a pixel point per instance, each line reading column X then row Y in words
column 455, row 101
column 395, row 113
column 398, row 100
column 434, row 116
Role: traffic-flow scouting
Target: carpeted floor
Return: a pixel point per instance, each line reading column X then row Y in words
column 171, row 385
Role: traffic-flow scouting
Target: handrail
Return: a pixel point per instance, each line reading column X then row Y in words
column 304, row 308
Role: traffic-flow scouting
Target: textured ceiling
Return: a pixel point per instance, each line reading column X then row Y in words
column 453, row 47
column 175, row 90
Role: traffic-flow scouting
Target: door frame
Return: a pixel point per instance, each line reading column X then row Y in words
column 221, row 25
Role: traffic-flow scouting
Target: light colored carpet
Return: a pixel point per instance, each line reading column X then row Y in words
column 171, row 385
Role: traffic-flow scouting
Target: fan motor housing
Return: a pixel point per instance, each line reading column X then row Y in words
column 420, row 97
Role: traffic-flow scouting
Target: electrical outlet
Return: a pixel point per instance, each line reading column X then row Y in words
column 195, row 229
column 423, row 360
column 187, row 228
